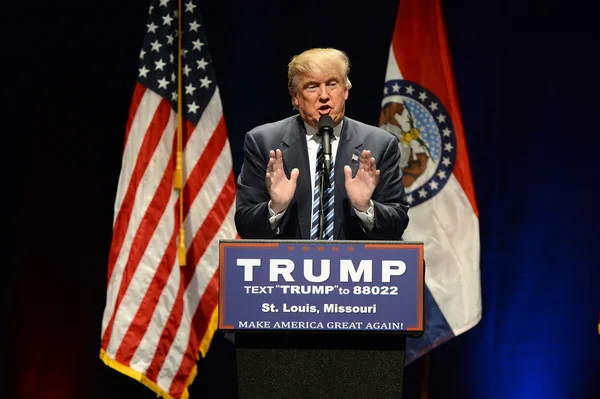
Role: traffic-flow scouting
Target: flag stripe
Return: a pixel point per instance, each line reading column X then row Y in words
column 147, row 175
column 413, row 50
column 141, row 280
column 141, row 118
column 143, row 155
column 138, row 94
column 203, row 237
column 224, row 209
column 142, row 237
column 141, row 322
column 202, row 168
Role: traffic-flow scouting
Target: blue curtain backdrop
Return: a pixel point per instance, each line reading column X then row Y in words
column 527, row 77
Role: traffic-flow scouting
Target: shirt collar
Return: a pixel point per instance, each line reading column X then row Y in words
column 311, row 131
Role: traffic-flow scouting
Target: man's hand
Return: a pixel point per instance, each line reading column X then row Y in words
column 361, row 188
column 281, row 189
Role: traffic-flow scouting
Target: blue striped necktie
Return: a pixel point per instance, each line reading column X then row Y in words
column 328, row 202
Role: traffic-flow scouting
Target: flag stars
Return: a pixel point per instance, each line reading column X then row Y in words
column 144, row 71
column 433, row 106
column 169, row 39
column 205, row 82
column 446, row 132
column 433, row 185
column 189, row 7
column 190, row 89
column 160, row 64
column 164, row 3
column 152, row 27
column 201, row 64
column 441, row 118
column 173, row 77
column 197, row 45
column 410, row 89
column 192, row 108
column 423, row 96
column 448, row 147
column 162, row 83
column 155, row 46
column 171, row 58
column 186, row 70
column 422, row 193
column 167, row 19
column 441, row 174
column 173, row 96
column 446, row 161
column 385, row 91
column 409, row 199
column 142, row 54
column 396, row 88
column 194, row 26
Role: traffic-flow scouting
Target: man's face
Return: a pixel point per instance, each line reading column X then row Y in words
column 320, row 94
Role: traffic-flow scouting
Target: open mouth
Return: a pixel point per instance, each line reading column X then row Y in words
column 324, row 109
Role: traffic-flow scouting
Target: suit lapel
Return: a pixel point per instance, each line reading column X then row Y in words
column 348, row 153
column 295, row 155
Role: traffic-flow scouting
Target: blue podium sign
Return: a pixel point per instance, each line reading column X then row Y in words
column 321, row 286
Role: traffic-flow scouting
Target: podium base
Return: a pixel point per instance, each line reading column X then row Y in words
column 319, row 365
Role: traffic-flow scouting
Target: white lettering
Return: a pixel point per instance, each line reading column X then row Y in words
column 248, row 265
column 391, row 268
column 281, row 267
column 347, row 271
column 309, row 272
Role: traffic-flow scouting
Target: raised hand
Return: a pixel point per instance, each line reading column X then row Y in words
column 281, row 189
column 361, row 188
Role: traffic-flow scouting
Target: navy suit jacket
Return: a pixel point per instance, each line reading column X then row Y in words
column 289, row 135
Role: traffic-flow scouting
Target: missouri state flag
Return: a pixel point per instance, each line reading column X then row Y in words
column 420, row 107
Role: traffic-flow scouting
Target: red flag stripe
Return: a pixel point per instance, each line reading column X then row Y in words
column 207, row 160
column 138, row 94
column 202, row 239
column 139, row 326
column 150, row 142
column 420, row 36
column 201, row 321
column 143, row 235
column 208, row 301
column 197, row 176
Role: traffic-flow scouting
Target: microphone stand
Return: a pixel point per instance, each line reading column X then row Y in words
column 321, row 203
column 324, row 184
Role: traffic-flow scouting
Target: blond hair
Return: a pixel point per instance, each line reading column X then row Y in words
column 319, row 61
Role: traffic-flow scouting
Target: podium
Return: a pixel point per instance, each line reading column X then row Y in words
column 320, row 319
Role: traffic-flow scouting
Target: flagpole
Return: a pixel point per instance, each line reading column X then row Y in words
column 178, row 178
column 424, row 388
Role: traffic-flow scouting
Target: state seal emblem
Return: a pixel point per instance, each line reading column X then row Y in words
column 425, row 136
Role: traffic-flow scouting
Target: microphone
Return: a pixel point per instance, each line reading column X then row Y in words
column 325, row 131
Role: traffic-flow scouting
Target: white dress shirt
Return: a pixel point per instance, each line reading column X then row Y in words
column 312, row 142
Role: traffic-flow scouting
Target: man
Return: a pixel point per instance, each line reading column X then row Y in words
column 275, row 189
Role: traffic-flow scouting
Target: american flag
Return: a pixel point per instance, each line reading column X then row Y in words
column 160, row 315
